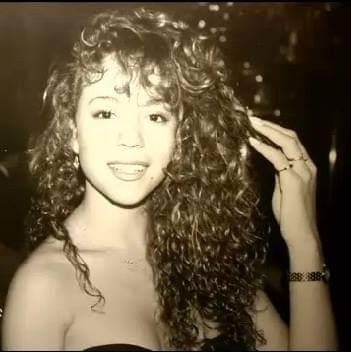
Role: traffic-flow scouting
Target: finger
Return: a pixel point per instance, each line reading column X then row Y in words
column 304, row 163
column 290, row 144
column 305, row 156
column 309, row 162
column 274, row 155
column 302, row 169
column 286, row 142
column 276, row 198
column 283, row 169
column 304, row 151
column 284, row 130
column 277, row 182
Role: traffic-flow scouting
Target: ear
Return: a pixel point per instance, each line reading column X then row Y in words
column 74, row 140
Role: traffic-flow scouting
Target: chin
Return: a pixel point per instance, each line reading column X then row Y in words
column 128, row 197
column 128, row 201
column 126, row 194
column 134, row 194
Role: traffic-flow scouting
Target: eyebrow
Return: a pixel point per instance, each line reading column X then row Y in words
column 148, row 103
column 103, row 97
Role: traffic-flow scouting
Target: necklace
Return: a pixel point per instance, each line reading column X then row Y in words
column 133, row 263
column 120, row 255
column 129, row 261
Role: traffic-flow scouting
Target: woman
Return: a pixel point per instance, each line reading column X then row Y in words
column 144, row 226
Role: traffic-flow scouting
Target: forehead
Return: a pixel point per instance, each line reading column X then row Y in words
column 115, row 81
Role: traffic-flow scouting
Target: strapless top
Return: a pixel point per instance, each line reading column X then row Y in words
column 117, row 347
column 216, row 344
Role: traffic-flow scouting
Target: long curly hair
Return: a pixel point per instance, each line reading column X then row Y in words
column 204, row 245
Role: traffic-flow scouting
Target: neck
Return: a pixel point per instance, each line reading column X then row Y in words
column 98, row 224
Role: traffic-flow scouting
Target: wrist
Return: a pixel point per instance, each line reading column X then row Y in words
column 317, row 275
column 307, row 256
column 305, row 244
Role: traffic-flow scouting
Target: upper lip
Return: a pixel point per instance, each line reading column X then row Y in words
column 129, row 162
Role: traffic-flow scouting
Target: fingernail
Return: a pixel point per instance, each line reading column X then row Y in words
column 254, row 141
column 256, row 120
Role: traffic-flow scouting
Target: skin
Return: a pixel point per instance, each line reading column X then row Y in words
column 312, row 324
column 113, row 127
column 122, row 127
column 111, row 223
column 295, row 188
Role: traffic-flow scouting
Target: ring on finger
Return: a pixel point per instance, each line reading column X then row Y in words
column 284, row 168
column 300, row 157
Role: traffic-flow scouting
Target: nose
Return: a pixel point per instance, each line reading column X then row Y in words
column 129, row 133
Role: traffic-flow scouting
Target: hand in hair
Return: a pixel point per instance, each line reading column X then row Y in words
column 294, row 196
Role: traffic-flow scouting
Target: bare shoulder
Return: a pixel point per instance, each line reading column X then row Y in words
column 37, row 311
column 268, row 320
column 46, row 267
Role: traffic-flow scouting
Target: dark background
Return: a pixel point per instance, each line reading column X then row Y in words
column 290, row 64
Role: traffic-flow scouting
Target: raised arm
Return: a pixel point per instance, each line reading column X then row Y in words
column 312, row 325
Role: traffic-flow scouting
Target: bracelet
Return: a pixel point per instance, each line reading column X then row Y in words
column 310, row 276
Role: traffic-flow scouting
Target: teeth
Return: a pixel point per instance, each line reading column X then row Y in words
column 132, row 169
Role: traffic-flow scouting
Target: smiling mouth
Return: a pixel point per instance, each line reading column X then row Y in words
column 128, row 171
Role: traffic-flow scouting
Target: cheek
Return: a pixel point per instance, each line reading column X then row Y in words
column 160, row 146
column 94, row 136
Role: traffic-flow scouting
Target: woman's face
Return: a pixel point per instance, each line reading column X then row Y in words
column 124, row 139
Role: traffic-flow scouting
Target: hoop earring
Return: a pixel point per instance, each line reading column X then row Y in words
column 76, row 162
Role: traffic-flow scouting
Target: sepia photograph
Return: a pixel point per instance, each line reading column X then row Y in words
column 174, row 176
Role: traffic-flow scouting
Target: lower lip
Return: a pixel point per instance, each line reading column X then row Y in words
column 127, row 176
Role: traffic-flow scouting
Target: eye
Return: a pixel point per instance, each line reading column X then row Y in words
column 103, row 114
column 157, row 118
